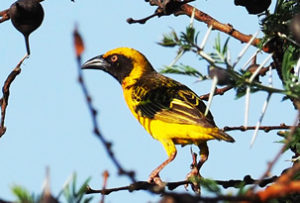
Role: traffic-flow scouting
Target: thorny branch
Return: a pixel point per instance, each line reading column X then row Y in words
column 6, row 91
column 184, row 197
column 221, row 91
column 182, row 8
column 143, row 185
column 226, row 28
column 79, row 48
column 282, row 186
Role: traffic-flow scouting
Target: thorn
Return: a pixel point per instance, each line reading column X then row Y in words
column 211, row 94
column 179, row 55
column 245, row 48
column 247, row 102
column 192, row 18
column 265, row 106
column 205, row 37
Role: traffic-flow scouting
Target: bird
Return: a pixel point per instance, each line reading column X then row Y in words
column 169, row 111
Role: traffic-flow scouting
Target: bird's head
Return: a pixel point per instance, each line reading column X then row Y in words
column 120, row 63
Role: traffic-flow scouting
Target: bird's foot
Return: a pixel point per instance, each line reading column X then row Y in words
column 154, row 178
column 194, row 179
column 194, row 176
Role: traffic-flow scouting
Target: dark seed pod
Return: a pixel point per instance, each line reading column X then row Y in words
column 26, row 16
column 223, row 76
column 295, row 27
column 254, row 6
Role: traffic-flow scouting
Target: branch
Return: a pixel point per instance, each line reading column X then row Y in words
column 181, row 197
column 182, row 8
column 5, row 15
column 221, row 91
column 247, row 180
column 143, row 185
column 264, row 128
column 283, row 186
column 105, row 178
column 218, row 91
column 79, row 48
column 210, row 21
column 6, row 91
column 185, row 197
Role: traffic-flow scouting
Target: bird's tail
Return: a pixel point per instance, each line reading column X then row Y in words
column 221, row 135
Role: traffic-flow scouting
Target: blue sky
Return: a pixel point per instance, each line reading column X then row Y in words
column 48, row 123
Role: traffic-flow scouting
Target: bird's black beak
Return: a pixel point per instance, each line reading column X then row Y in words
column 97, row 62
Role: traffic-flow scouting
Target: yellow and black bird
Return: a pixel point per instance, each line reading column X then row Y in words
column 168, row 110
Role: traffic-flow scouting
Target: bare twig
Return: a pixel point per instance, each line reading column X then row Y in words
column 4, row 15
column 6, row 91
column 264, row 128
column 105, row 177
column 218, row 91
column 79, row 48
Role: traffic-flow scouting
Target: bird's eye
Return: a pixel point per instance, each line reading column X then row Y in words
column 114, row 58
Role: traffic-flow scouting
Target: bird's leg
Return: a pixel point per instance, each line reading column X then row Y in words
column 154, row 176
column 203, row 154
column 194, row 176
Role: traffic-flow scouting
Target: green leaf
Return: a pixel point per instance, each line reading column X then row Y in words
column 225, row 46
column 189, row 36
column 210, row 185
column 169, row 40
column 183, row 70
column 23, row 196
column 287, row 64
column 82, row 189
column 292, row 141
column 220, row 51
column 72, row 195
column 217, row 45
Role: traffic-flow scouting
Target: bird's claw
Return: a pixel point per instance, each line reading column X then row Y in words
column 155, row 179
column 194, row 176
column 194, row 179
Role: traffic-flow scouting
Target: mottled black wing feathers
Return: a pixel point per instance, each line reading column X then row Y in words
column 159, row 97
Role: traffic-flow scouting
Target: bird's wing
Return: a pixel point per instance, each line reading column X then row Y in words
column 164, row 99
